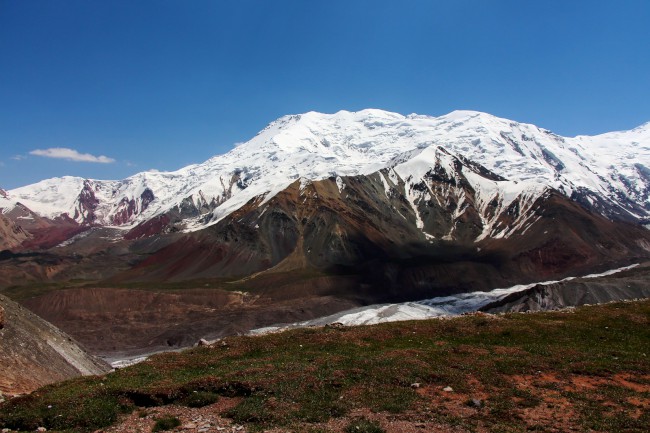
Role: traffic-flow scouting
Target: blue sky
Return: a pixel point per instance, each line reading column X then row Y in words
column 133, row 85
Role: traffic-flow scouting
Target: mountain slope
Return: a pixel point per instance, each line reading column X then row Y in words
column 11, row 234
column 448, row 228
column 35, row 353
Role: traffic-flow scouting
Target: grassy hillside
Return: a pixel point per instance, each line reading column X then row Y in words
column 586, row 369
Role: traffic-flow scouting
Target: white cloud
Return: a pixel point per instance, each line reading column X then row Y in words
column 71, row 155
column 18, row 157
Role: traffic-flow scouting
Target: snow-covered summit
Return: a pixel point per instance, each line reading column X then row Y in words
column 611, row 171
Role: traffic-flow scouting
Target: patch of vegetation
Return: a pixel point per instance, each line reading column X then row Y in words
column 86, row 414
column 251, row 410
column 300, row 378
column 200, row 399
column 617, row 415
column 31, row 290
column 166, row 423
column 364, row 426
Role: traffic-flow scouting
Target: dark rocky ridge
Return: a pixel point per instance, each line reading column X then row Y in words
column 626, row 285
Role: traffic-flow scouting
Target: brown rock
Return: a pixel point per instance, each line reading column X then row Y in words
column 35, row 353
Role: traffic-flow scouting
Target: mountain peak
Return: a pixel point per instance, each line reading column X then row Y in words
column 644, row 127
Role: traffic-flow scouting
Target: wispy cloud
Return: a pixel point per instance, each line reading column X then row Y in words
column 18, row 157
column 71, row 155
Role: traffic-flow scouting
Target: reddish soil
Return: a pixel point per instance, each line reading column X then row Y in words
column 553, row 412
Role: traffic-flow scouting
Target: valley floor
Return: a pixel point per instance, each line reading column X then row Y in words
column 585, row 369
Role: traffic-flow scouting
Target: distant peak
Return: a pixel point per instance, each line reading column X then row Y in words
column 365, row 113
column 376, row 112
column 643, row 127
column 465, row 114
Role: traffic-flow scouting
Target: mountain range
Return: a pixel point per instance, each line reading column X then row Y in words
column 352, row 207
column 608, row 172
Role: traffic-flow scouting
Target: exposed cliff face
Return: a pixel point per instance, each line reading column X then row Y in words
column 35, row 353
column 11, row 234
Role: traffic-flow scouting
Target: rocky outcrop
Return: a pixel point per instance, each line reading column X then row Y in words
column 628, row 285
column 128, row 207
column 35, row 353
column 11, row 234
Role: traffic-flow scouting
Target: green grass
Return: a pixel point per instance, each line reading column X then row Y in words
column 166, row 423
column 200, row 399
column 307, row 376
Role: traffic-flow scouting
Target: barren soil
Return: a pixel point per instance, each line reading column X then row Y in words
column 122, row 323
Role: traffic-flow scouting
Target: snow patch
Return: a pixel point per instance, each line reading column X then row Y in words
column 340, row 184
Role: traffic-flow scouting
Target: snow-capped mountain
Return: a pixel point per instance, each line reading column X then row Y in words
column 333, row 211
column 320, row 213
column 609, row 173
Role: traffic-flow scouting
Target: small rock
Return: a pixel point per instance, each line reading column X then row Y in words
column 203, row 342
column 5, row 430
column 335, row 325
column 41, row 429
column 475, row 402
column 189, row 426
column 415, row 385
column 448, row 389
